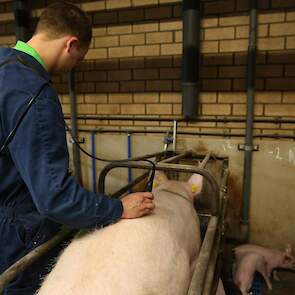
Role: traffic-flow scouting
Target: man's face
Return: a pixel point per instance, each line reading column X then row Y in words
column 71, row 56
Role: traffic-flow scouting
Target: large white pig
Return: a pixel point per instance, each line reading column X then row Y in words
column 154, row 254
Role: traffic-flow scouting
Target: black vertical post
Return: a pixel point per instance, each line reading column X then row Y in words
column 251, row 75
column 74, row 128
column 22, row 20
column 190, row 59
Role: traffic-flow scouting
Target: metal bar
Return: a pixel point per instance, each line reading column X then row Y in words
column 191, row 58
column 93, row 162
column 165, row 167
column 129, row 156
column 216, row 134
column 9, row 274
column 198, row 278
column 174, row 134
column 74, row 127
column 205, row 161
column 124, row 189
column 210, row 282
column 228, row 119
column 211, row 269
column 250, row 115
column 153, row 155
column 177, row 157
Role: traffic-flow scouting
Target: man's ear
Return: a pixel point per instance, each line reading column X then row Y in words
column 71, row 42
column 195, row 184
column 160, row 178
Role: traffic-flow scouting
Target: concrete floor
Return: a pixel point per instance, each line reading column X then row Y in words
column 286, row 285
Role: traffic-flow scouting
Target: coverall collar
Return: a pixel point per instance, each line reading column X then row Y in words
column 26, row 48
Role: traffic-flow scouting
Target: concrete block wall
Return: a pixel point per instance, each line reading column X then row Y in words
column 134, row 64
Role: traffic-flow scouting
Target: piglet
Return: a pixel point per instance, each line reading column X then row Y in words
column 274, row 258
column 246, row 265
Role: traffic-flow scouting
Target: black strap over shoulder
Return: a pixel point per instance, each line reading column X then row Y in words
column 30, row 102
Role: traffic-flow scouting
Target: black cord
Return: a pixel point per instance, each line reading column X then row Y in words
column 149, row 184
column 10, row 136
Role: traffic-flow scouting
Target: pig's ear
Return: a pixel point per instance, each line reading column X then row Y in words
column 288, row 250
column 160, row 178
column 195, row 184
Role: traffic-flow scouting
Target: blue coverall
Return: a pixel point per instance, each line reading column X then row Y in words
column 37, row 194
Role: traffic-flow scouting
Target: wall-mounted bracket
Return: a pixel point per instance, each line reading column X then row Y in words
column 243, row 147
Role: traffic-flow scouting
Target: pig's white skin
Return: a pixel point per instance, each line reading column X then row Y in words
column 154, row 254
column 274, row 258
column 246, row 266
column 220, row 289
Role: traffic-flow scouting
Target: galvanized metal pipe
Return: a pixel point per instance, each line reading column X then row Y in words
column 205, row 161
column 165, row 167
column 177, row 157
column 212, row 274
column 124, row 189
column 93, row 161
column 209, row 284
column 198, row 278
column 250, row 115
column 227, row 119
column 216, row 134
column 129, row 156
column 174, row 134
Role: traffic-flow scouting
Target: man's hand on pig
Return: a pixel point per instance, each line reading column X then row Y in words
column 137, row 204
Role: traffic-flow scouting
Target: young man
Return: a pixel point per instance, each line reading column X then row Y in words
column 36, row 193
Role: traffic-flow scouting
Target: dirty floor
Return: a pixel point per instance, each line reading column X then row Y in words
column 286, row 285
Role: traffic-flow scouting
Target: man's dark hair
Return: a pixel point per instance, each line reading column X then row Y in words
column 63, row 18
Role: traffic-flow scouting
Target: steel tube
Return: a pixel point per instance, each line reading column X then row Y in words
column 205, row 161
column 250, row 116
column 129, row 156
column 124, row 189
column 198, row 278
column 165, row 167
column 210, row 274
column 275, row 120
column 93, row 162
column 143, row 131
column 174, row 134
column 177, row 157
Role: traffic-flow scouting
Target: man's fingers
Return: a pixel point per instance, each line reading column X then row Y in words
column 145, row 212
column 147, row 195
column 149, row 206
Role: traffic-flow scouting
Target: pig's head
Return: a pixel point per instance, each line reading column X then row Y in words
column 288, row 260
column 190, row 188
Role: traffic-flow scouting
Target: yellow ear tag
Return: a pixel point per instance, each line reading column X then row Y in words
column 155, row 183
column 195, row 188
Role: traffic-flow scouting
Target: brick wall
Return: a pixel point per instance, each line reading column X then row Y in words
column 134, row 64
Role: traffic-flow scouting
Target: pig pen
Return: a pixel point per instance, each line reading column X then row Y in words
column 210, row 207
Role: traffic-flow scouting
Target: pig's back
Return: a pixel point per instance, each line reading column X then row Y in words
column 148, row 255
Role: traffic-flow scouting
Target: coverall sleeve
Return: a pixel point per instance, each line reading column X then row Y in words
column 39, row 150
